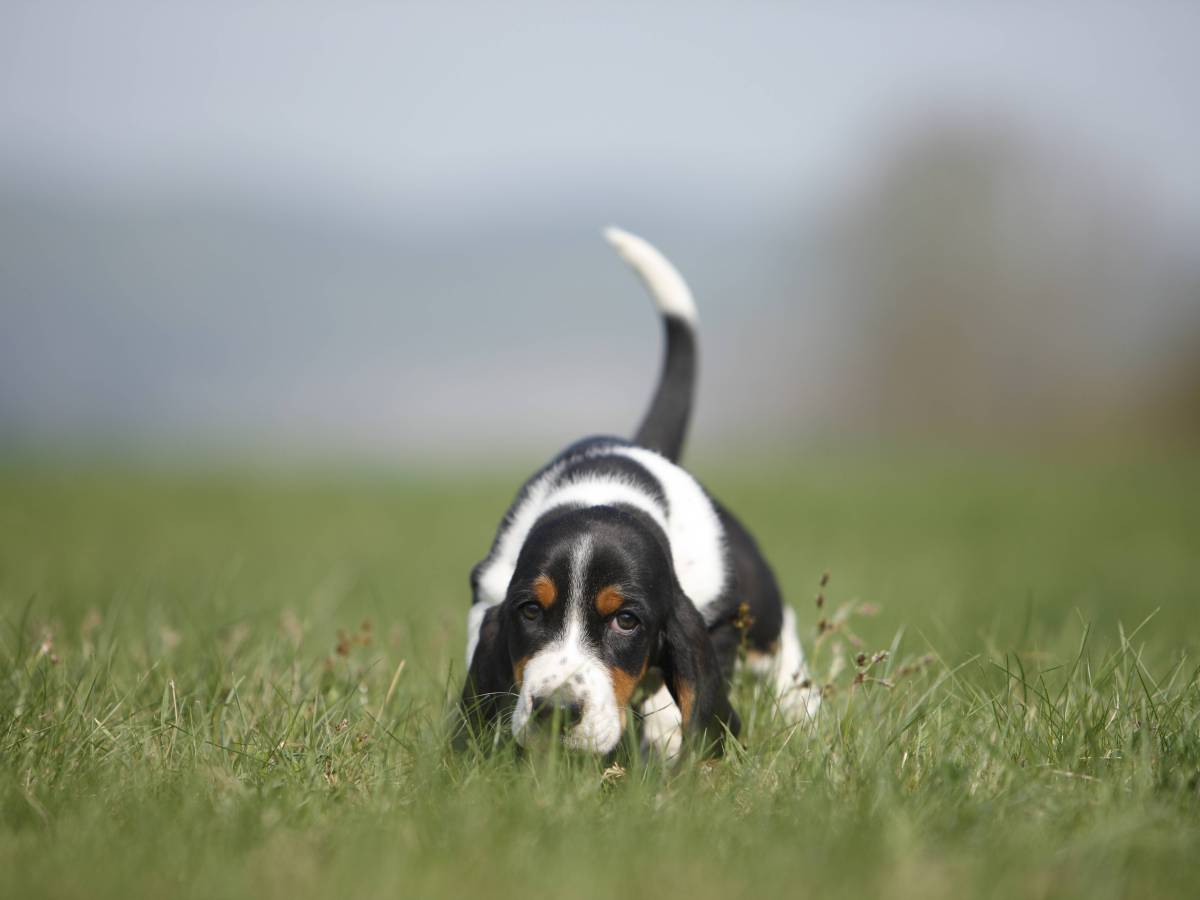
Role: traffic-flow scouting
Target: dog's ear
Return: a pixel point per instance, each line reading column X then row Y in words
column 490, row 678
column 693, row 676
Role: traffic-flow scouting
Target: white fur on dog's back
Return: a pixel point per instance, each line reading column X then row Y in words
column 671, row 294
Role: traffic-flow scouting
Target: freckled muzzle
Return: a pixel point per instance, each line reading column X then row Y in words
column 566, row 685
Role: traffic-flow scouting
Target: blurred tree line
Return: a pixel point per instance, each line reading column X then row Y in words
column 1001, row 288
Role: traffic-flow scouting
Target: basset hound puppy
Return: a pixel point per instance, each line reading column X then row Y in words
column 616, row 582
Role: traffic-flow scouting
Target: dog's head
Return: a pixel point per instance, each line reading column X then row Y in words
column 593, row 605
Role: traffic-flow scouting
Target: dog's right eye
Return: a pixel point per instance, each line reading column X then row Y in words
column 530, row 611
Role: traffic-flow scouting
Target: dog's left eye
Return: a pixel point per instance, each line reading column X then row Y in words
column 530, row 611
column 624, row 623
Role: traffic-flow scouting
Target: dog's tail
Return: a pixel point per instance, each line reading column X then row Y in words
column 664, row 426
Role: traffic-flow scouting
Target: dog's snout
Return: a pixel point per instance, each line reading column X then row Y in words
column 547, row 708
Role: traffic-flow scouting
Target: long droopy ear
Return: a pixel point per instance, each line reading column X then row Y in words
column 693, row 676
column 489, row 685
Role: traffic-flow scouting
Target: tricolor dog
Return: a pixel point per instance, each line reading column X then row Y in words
column 615, row 581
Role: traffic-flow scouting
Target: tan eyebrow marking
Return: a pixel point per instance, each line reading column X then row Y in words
column 609, row 600
column 544, row 591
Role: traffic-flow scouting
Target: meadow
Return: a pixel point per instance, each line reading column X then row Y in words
column 230, row 684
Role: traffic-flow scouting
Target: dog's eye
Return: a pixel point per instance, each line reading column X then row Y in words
column 624, row 623
column 530, row 611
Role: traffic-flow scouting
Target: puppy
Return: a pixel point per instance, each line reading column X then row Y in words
column 614, row 575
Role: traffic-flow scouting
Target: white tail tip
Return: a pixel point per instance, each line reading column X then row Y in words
column 670, row 292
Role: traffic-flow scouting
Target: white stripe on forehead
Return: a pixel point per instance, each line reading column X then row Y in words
column 571, row 638
column 581, row 558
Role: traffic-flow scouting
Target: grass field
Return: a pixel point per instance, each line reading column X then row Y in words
column 229, row 685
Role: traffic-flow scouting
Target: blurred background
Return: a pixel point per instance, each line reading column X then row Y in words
column 372, row 232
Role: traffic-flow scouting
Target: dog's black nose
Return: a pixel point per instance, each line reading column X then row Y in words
column 547, row 709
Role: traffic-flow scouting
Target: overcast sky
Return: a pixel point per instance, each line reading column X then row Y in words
column 433, row 104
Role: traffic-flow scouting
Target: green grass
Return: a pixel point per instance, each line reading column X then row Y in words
column 199, row 694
